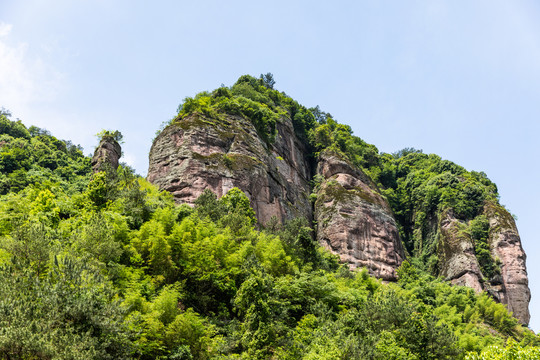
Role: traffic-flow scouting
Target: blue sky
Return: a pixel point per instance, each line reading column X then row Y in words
column 457, row 78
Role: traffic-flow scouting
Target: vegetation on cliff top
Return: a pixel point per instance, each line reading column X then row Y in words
column 254, row 99
column 104, row 266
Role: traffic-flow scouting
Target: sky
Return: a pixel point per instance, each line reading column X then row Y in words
column 457, row 78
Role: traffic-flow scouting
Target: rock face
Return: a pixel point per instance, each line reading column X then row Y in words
column 199, row 153
column 107, row 155
column 505, row 244
column 457, row 259
column 459, row 264
column 354, row 220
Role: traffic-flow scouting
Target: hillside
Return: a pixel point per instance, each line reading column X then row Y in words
column 98, row 263
column 371, row 209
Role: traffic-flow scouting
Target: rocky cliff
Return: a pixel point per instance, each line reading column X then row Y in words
column 354, row 220
column 504, row 241
column 457, row 259
column 199, row 153
column 327, row 175
column 458, row 263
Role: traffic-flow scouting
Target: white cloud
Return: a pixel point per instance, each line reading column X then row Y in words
column 24, row 78
column 5, row 29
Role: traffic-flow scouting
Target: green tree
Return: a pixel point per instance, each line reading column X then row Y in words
column 254, row 308
column 111, row 134
column 268, row 80
column 62, row 315
column 235, row 201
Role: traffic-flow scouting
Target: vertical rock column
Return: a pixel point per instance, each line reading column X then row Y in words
column 107, row 155
column 505, row 245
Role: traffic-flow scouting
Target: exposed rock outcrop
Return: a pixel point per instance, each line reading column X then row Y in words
column 457, row 260
column 354, row 220
column 199, row 153
column 505, row 244
column 107, row 155
column 458, row 263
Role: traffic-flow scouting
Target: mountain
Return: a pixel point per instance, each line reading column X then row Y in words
column 373, row 210
column 260, row 244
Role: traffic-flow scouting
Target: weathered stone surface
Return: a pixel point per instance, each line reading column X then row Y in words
column 199, row 153
column 505, row 244
column 457, row 261
column 107, row 155
column 354, row 220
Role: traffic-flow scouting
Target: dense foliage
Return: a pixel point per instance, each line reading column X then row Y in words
column 254, row 99
column 33, row 156
column 105, row 266
column 513, row 351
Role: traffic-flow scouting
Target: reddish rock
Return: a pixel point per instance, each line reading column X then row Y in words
column 107, row 155
column 354, row 221
column 505, row 245
column 199, row 153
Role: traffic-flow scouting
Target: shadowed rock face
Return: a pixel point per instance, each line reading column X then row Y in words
column 107, row 155
column 199, row 153
column 355, row 221
column 457, row 260
column 459, row 265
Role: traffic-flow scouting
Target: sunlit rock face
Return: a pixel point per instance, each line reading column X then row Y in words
column 199, row 153
column 505, row 245
column 354, row 221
